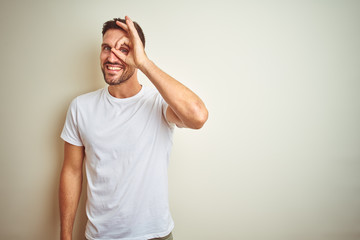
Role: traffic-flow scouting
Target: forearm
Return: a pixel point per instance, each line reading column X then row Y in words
column 185, row 103
column 69, row 195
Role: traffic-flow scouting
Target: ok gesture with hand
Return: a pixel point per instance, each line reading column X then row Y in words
column 135, row 56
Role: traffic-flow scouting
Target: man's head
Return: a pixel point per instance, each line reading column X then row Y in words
column 114, row 70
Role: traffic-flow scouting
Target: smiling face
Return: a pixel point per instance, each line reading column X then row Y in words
column 114, row 70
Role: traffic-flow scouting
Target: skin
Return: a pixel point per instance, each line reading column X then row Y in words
column 70, row 187
column 123, row 49
column 114, row 70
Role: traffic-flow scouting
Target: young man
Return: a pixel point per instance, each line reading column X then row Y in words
column 124, row 133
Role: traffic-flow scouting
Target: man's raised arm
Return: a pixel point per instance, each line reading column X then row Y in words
column 186, row 109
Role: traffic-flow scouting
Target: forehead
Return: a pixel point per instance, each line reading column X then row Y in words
column 111, row 36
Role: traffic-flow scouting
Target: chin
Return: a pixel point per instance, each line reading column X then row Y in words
column 113, row 81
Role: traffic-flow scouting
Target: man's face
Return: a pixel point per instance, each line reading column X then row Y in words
column 114, row 70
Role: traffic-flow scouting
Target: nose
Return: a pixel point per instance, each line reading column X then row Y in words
column 112, row 57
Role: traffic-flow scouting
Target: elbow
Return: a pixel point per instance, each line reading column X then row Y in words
column 200, row 118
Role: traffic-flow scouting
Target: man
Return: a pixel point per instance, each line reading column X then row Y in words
column 124, row 133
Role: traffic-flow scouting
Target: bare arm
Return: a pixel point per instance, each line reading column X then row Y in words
column 186, row 109
column 70, row 188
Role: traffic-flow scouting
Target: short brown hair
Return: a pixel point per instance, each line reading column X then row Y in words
column 111, row 24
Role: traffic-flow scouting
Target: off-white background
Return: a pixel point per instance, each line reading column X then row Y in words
column 279, row 157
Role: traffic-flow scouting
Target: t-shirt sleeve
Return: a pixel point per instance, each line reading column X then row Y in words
column 70, row 132
column 164, row 107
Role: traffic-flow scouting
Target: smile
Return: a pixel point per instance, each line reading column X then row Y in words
column 113, row 68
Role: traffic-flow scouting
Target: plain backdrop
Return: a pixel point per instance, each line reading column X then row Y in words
column 279, row 157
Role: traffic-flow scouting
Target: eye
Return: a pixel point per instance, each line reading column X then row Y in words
column 124, row 50
column 106, row 48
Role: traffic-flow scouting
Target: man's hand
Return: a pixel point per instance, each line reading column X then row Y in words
column 130, row 49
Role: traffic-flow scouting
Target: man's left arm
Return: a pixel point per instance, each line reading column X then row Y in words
column 185, row 109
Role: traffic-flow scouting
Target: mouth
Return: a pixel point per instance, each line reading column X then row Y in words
column 114, row 68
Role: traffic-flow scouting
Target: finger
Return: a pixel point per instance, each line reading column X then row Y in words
column 131, row 26
column 122, row 41
column 119, row 54
column 123, row 26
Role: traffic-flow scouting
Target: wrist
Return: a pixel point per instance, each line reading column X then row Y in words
column 65, row 234
column 65, row 237
column 145, row 65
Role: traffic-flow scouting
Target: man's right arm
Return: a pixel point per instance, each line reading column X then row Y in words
column 70, row 187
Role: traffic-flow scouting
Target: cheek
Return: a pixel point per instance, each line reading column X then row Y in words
column 103, row 57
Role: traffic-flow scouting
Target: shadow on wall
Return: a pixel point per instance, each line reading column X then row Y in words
column 92, row 78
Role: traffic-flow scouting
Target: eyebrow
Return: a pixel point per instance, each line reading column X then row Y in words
column 105, row 44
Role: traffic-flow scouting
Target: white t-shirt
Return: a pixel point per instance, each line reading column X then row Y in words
column 127, row 147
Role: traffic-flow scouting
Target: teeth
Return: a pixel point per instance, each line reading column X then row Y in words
column 114, row 68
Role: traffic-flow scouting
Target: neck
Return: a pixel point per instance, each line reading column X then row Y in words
column 126, row 89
